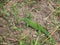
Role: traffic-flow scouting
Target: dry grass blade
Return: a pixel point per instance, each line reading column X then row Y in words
column 37, row 40
column 51, row 34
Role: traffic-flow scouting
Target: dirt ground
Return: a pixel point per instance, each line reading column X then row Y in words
column 41, row 12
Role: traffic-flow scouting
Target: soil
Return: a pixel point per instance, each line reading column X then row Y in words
column 42, row 15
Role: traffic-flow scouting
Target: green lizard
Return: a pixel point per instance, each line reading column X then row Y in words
column 39, row 28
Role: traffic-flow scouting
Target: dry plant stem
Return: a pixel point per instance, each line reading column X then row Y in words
column 51, row 34
column 37, row 40
column 50, row 14
column 24, row 36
